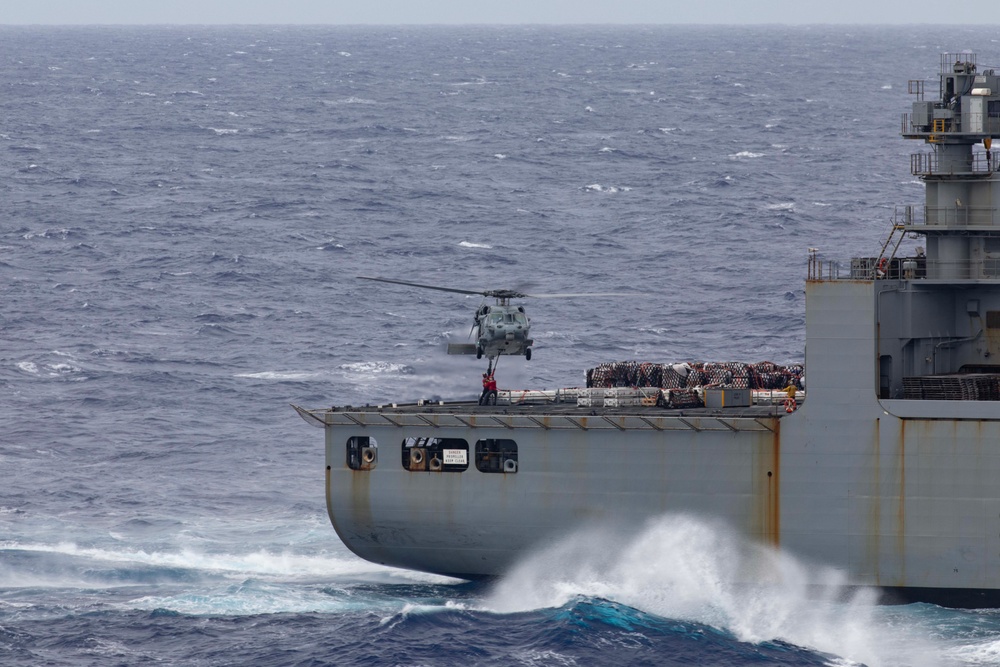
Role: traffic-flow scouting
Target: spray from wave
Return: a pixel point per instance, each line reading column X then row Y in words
column 688, row 568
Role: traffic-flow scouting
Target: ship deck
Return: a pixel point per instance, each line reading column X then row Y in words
column 546, row 416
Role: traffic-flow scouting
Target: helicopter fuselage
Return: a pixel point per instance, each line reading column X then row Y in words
column 502, row 329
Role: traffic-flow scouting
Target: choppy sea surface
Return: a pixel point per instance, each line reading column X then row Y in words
column 183, row 212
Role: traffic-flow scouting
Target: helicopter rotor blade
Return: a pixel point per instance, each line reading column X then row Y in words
column 495, row 293
column 441, row 289
column 581, row 294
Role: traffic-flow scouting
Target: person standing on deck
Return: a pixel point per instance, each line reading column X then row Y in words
column 489, row 395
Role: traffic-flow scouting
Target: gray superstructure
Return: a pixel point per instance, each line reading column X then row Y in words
column 890, row 471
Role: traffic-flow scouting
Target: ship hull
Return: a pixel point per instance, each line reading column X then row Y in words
column 871, row 488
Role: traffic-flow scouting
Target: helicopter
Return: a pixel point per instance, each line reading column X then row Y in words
column 503, row 328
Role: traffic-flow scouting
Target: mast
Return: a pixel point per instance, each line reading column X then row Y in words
column 959, row 218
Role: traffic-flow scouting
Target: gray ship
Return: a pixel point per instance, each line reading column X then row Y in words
column 888, row 472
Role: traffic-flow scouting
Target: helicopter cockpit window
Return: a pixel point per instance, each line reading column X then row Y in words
column 496, row 455
column 496, row 318
column 362, row 453
column 519, row 318
column 435, row 454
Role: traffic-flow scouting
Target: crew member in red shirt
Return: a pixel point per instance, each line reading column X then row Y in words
column 489, row 395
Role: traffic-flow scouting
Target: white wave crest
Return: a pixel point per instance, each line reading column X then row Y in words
column 610, row 189
column 374, row 367
column 684, row 567
column 28, row 367
column 469, row 244
column 281, row 375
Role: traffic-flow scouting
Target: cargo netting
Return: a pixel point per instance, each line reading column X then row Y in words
column 971, row 387
column 764, row 375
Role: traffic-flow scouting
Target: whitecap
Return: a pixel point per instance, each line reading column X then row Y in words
column 500, row 156
column 610, row 189
column 746, row 154
column 784, row 206
column 478, row 82
column 979, row 653
column 62, row 369
column 28, row 367
column 221, row 131
column 281, row 376
column 374, row 368
column 260, row 563
column 469, row 244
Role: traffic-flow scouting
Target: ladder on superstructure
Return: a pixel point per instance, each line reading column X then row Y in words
column 883, row 262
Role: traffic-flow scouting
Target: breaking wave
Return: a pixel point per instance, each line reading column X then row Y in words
column 688, row 568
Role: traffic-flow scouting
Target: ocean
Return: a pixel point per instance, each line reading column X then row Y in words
column 184, row 212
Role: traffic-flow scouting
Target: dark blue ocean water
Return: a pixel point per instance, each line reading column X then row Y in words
column 182, row 214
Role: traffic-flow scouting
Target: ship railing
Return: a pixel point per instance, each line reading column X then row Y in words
column 822, row 269
column 929, row 164
column 886, row 268
column 958, row 63
column 974, row 123
column 957, row 215
column 922, row 268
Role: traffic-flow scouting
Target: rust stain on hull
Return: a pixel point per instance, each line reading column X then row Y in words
column 774, row 488
column 874, row 533
column 901, row 507
column 766, row 484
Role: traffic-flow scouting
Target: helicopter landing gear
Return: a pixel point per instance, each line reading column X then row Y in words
column 527, row 354
column 479, row 352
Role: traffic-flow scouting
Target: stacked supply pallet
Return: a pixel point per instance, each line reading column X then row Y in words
column 617, row 397
column 761, row 376
column 680, row 398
